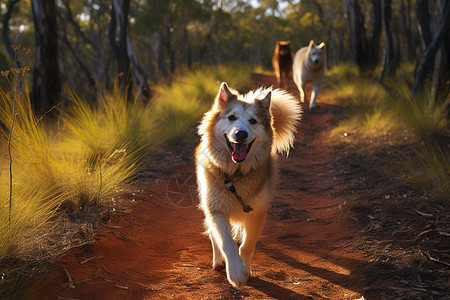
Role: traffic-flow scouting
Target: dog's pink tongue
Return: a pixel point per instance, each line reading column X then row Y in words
column 239, row 152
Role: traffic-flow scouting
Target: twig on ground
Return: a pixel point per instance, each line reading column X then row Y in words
column 70, row 248
column 87, row 260
column 435, row 259
column 69, row 278
column 121, row 287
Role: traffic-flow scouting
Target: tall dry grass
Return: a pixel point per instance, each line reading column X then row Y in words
column 427, row 118
column 372, row 109
column 35, row 198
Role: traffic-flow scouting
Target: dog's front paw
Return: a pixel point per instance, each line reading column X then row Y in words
column 237, row 273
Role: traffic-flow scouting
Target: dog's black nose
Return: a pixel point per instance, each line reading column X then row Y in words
column 241, row 136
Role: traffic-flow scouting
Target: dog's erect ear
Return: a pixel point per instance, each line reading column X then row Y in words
column 311, row 44
column 322, row 45
column 225, row 96
column 265, row 103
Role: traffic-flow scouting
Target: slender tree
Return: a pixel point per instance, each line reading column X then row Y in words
column 123, row 49
column 117, row 31
column 364, row 50
column 440, row 39
column 424, row 17
column 5, row 30
column 46, row 81
column 390, row 55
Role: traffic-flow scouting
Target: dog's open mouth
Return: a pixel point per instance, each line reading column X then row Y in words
column 239, row 151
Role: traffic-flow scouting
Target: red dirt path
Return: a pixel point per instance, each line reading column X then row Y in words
column 155, row 248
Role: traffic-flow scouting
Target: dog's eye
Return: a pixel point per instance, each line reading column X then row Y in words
column 231, row 118
column 252, row 121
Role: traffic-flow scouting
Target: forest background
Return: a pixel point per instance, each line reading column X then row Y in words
column 89, row 88
column 85, row 45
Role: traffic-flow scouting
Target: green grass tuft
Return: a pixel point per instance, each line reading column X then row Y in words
column 423, row 115
column 431, row 172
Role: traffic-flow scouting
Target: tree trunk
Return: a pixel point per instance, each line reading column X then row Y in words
column 46, row 82
column 427, row 65
column 405, row 15
column 124, row 51
column 167, row 39
column 364, row 52
column 119, row 22
column 188, row 47
column 100, row 66
column 5, row 31
column 423, row 14
column 389, row 64
column 156, row 38
column 373, row 51
column 357, row 33
column 138, row 73
column 443, row 84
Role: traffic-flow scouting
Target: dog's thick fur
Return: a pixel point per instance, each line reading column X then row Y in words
column 309, row 66
column 282, row 62
column 268, row 118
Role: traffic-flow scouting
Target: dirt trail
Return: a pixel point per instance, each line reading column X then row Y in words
column 154, row 249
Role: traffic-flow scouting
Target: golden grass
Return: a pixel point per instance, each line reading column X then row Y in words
column 84, row 164
column 35, row 198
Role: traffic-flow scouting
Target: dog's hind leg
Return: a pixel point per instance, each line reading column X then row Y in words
column 314, row 93
column 284, row 79
column 302, row 92
column 220, row 229
column 252, row 230
column 278, row 75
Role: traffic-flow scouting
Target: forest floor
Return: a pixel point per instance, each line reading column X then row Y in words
column 313, row 245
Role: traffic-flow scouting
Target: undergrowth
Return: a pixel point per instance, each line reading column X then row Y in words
column 373, row 110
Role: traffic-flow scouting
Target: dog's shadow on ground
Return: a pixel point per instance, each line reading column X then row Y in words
column 275, row 291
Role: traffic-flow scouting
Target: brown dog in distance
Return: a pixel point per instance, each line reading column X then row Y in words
column 282, row 62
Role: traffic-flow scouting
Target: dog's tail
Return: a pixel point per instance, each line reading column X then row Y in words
column 286, row 113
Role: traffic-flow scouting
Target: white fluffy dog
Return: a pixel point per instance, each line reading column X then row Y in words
column 309, row 66
column 237, row 170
